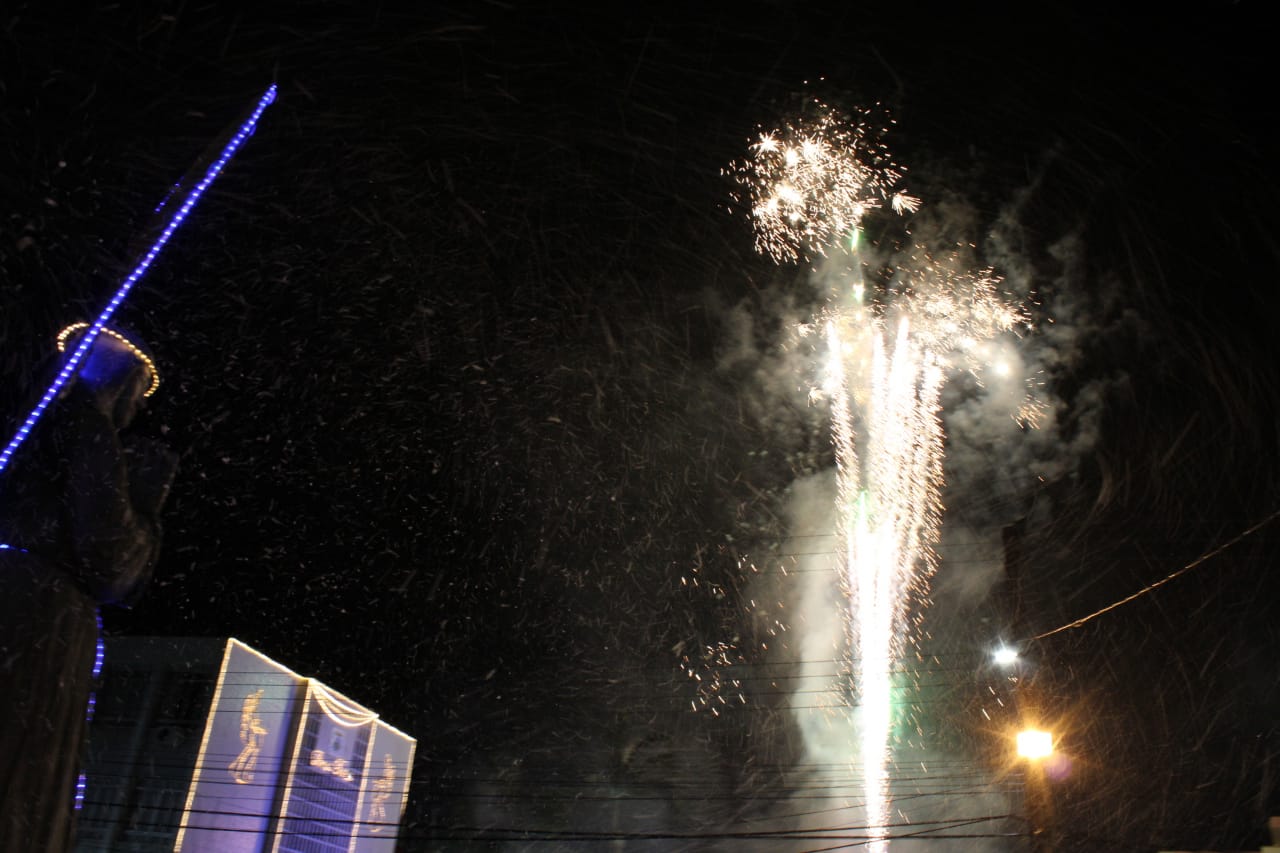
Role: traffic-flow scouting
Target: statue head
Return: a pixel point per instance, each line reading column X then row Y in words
column 118, row 368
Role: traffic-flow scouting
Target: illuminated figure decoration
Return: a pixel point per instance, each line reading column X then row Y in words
column 382, row 792
column 251, row 734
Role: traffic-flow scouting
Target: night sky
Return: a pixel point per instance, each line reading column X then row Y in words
column 474, row 372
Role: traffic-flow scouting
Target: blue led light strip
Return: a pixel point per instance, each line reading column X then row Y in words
column 73, row 361
column 99, row 655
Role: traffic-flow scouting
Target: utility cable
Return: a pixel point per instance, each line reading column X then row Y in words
column 1188, row 567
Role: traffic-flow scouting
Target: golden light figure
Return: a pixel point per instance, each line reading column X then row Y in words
column 252, row 731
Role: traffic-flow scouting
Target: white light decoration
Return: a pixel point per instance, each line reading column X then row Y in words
column 339, row 709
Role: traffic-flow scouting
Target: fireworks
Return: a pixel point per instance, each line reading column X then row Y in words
column 888, row 478
column 809, row 184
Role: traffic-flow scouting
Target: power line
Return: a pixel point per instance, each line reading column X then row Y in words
column 446, row 832
column 1188, row 567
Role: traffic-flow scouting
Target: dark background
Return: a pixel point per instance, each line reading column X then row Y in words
column 443, row 353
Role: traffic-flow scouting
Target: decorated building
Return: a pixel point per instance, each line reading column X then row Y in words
column 208, row 745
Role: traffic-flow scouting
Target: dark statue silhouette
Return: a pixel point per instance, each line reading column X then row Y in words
column 79, row 526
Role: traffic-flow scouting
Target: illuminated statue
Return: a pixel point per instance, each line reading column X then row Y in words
column 79, row 528
column 383, row 787
column 251, row 733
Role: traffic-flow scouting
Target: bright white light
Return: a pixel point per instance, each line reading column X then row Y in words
column 1005, row 656
column 1034, row 744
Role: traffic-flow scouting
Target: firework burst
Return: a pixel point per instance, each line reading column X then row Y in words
column 808, row 184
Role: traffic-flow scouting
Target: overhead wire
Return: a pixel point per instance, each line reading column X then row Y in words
column 1198, row 561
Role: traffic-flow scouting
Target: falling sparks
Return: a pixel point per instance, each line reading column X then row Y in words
column 715, row 687
column 809, row 183
column 712, row 670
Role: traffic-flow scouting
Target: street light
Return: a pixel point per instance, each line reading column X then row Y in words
column 1034, row 744
column 1005, row 656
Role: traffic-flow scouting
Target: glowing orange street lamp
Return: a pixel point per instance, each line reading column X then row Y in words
column 1034, row 744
